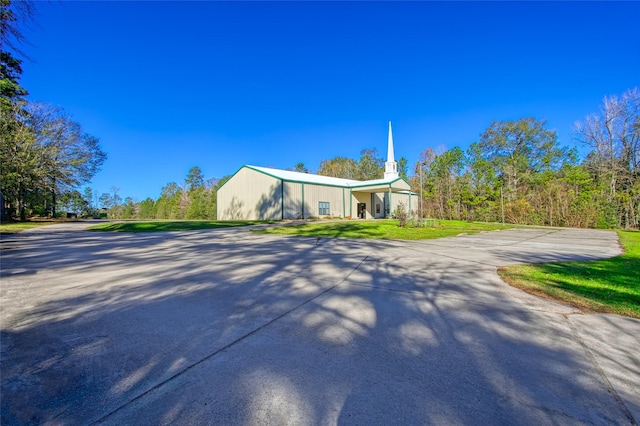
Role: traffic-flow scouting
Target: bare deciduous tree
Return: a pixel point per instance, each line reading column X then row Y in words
column 614, row 139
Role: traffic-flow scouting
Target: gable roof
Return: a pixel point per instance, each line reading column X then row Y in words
column 291, row 176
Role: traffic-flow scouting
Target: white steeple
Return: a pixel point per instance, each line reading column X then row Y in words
column 390, row 167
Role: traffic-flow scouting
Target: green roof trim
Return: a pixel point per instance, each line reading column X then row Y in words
column 295, row 180
column 309, row 182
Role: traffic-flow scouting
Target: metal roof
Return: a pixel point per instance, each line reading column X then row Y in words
column 291, row 176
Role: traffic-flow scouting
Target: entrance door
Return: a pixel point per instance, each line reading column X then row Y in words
column 362, row 210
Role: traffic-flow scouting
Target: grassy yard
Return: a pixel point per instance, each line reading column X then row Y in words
column 610, row 285
column 15, row 227
column 386, row 229
column 171, row 225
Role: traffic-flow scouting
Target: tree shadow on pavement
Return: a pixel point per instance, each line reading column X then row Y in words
column 230, row 327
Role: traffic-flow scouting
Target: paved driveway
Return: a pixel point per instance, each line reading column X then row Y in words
column 229, row 327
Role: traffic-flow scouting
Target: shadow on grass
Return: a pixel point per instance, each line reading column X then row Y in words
column 347, row 230
column 382, row 229
column 161, row 226
column 608, row 285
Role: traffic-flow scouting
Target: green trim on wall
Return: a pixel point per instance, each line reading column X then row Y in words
column 232, row 176
column 382, row 183
column 344, row 187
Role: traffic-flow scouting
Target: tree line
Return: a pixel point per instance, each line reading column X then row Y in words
column 516, row 172
column 44, row 154
column 195, row 198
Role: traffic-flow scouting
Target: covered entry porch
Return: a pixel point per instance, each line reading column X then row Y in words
column 377, row 200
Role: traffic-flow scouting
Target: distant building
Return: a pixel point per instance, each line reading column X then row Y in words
column 261, row 193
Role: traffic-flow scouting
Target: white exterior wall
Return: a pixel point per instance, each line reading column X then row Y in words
column 250, row 195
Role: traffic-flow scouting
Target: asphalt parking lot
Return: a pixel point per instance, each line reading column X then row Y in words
column 232, row 327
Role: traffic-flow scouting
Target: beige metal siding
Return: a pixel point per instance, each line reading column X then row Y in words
column 253, row 195
column 292, row 200
column 250, row 195
column 415, row 208
column 409, row 201
column 295, row 192
column 313, row 194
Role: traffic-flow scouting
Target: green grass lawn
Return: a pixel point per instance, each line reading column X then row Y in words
column 15, row 227
column 609, row 285
column 386, row 229
column 171, row 225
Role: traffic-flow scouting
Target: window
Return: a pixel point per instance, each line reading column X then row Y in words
column 377, row 208
column 323, row 208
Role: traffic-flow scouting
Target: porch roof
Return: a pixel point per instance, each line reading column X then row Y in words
column 382, row 185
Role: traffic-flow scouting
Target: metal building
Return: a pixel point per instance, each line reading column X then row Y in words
column 261, row 193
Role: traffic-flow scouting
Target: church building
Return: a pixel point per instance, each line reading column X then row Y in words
column 262, row 193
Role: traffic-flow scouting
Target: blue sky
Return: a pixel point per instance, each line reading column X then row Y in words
column 171, row 85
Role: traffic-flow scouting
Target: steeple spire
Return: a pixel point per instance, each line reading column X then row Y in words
column 390, row 145
column 390, row 167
